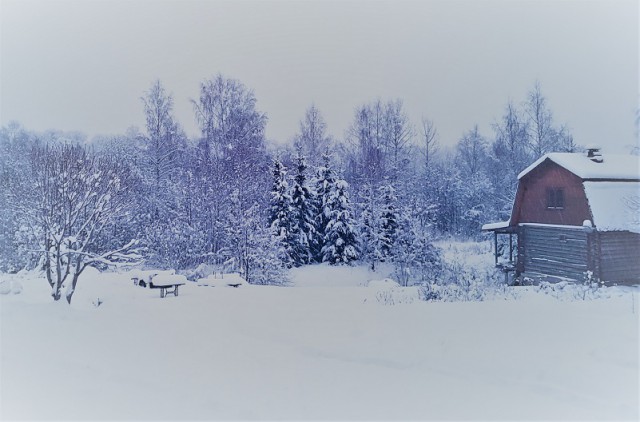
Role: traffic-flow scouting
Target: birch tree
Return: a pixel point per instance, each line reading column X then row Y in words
column 312, row 140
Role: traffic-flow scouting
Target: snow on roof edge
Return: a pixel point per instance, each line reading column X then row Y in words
column 614, row 205
column 532, row 166
column 497, row 225
column 614, row 166
column 562, row 226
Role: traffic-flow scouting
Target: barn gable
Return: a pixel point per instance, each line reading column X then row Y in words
column 550, row 194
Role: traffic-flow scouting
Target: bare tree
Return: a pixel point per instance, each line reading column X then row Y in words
column 312, row 140
column 163, row 144
column 510, row 155
column 398, row 135
column 379, row 140
column 430, row 143
column 544, row 137
column 367, row 162
column 472, row 151
column 541, row 133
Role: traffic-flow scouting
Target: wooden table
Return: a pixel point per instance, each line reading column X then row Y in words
column 165, row 289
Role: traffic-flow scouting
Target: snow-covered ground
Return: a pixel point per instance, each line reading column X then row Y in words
column 327, row 347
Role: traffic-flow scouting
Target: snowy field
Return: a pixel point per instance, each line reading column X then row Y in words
column 328, row 347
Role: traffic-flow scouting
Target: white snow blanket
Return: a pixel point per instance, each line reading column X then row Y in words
column 314, row 351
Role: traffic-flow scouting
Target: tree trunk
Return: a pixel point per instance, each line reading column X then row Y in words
column 71, row 290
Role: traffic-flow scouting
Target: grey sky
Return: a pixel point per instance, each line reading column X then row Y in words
column 75, row 65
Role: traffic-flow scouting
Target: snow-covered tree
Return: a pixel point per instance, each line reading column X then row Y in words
column 255, row 252
column 388, row 218
column 163, row 194
column 264, row 262
column 323, row 183
column 378, row 223
column 16, row 240
column 164, row 145
column 370, row 233
column 340, row 243
column 303, row 210
column 79, row 197
column 280, row 212
column 231, row 155
column 416, row 259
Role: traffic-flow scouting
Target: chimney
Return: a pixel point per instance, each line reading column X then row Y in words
column 594, row 154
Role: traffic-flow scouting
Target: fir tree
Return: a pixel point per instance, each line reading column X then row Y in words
column 388, row 220
column 323, row 182
column 280, row 212
column 303, row 230
column 340, row 244
column 379, row 223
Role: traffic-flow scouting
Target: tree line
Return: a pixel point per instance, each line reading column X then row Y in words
column 231, row 199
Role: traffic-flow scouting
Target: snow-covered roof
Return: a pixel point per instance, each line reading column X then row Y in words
column 496, row 226
column 614, row 205
column 613, row 166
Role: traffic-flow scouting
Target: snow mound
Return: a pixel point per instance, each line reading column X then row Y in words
column 384, row 283
column 389, row 292
column 325, row 275
column 224, row 280
column 10, row 287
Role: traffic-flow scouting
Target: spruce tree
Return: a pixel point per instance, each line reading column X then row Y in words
column 388, row 220
column 323, row 182
column 340, row 243
column 303, row 229
column 280, row 211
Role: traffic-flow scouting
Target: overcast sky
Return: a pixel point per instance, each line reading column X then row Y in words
column 83, row 65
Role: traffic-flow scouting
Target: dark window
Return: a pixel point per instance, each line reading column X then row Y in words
column 555, row 198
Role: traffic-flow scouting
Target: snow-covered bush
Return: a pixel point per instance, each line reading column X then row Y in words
column 416, row 260
column 201, row 271
column 589, row 289
column 389, row 292
column 462, row 283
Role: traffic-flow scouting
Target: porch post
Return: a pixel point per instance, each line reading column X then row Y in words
column 510, row 248
column 495, row 247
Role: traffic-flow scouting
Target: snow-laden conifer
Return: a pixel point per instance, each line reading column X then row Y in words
column 303, row 229
column 280, row 211
column 388, row 219
column 340, row 243
column 323, row 183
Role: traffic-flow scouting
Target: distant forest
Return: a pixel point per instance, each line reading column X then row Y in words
column 227, row 198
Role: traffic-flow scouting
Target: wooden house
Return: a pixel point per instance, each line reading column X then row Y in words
column 575, row 213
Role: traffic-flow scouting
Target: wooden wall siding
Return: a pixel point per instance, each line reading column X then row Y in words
column 619, row 257
column 555, row 251
column 531, row 199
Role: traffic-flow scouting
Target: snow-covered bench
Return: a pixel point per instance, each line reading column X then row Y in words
column 229, row 280
column 167, row 281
